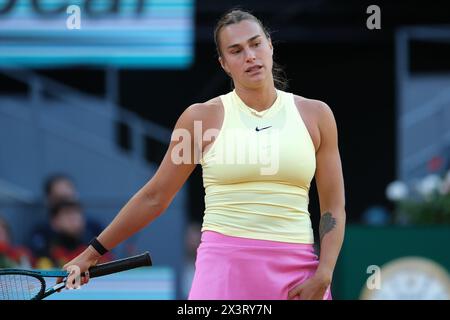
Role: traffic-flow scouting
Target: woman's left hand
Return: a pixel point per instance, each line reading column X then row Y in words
column 312, row 289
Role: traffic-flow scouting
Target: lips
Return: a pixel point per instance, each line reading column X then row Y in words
column 253, row 68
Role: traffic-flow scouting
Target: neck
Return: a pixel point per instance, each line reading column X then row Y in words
column 258, row 99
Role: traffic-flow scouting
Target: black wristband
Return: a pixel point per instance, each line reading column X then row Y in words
column 98, row 246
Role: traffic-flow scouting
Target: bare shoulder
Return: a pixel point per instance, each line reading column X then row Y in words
column 312, row 107
column 316, row 111
column 209, row 114
column 318, row 117
column 203, row 109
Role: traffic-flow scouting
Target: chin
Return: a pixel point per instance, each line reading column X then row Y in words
column 256, row 83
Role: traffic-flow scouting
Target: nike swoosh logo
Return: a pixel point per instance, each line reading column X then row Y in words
column 259, row 129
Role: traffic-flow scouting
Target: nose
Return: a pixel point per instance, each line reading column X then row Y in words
column 249, row 55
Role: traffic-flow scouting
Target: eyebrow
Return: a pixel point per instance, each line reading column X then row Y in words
column 249, row 40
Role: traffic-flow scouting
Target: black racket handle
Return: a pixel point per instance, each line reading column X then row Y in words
column 104, row 269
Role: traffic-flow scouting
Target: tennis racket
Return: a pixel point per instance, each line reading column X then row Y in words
column 18, row 284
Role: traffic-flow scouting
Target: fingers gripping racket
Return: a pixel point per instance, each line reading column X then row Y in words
column 17, row 284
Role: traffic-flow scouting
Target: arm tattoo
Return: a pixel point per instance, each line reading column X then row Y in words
column 327, row 223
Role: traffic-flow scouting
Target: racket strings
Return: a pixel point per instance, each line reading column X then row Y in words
column 19, row 287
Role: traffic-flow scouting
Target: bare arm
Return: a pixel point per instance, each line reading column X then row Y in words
column 157, row 194
column 330, row 187
column 153, row 198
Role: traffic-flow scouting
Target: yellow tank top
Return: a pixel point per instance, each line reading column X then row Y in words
column 258, row 171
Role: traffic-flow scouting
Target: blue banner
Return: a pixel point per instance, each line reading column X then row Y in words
column 122, row 33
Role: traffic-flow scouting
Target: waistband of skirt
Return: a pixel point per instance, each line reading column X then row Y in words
column 213, row 237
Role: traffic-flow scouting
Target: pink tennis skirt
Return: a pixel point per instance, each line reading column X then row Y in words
column 235, row 268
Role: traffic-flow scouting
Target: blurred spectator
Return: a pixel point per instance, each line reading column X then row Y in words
column 68, row 230
column 59, row 187
column 65, row 237
column 12, row 256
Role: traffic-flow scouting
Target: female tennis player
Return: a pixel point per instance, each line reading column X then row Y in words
column 260, row 149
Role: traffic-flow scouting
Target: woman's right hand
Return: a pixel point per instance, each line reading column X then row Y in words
column 78, row 266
